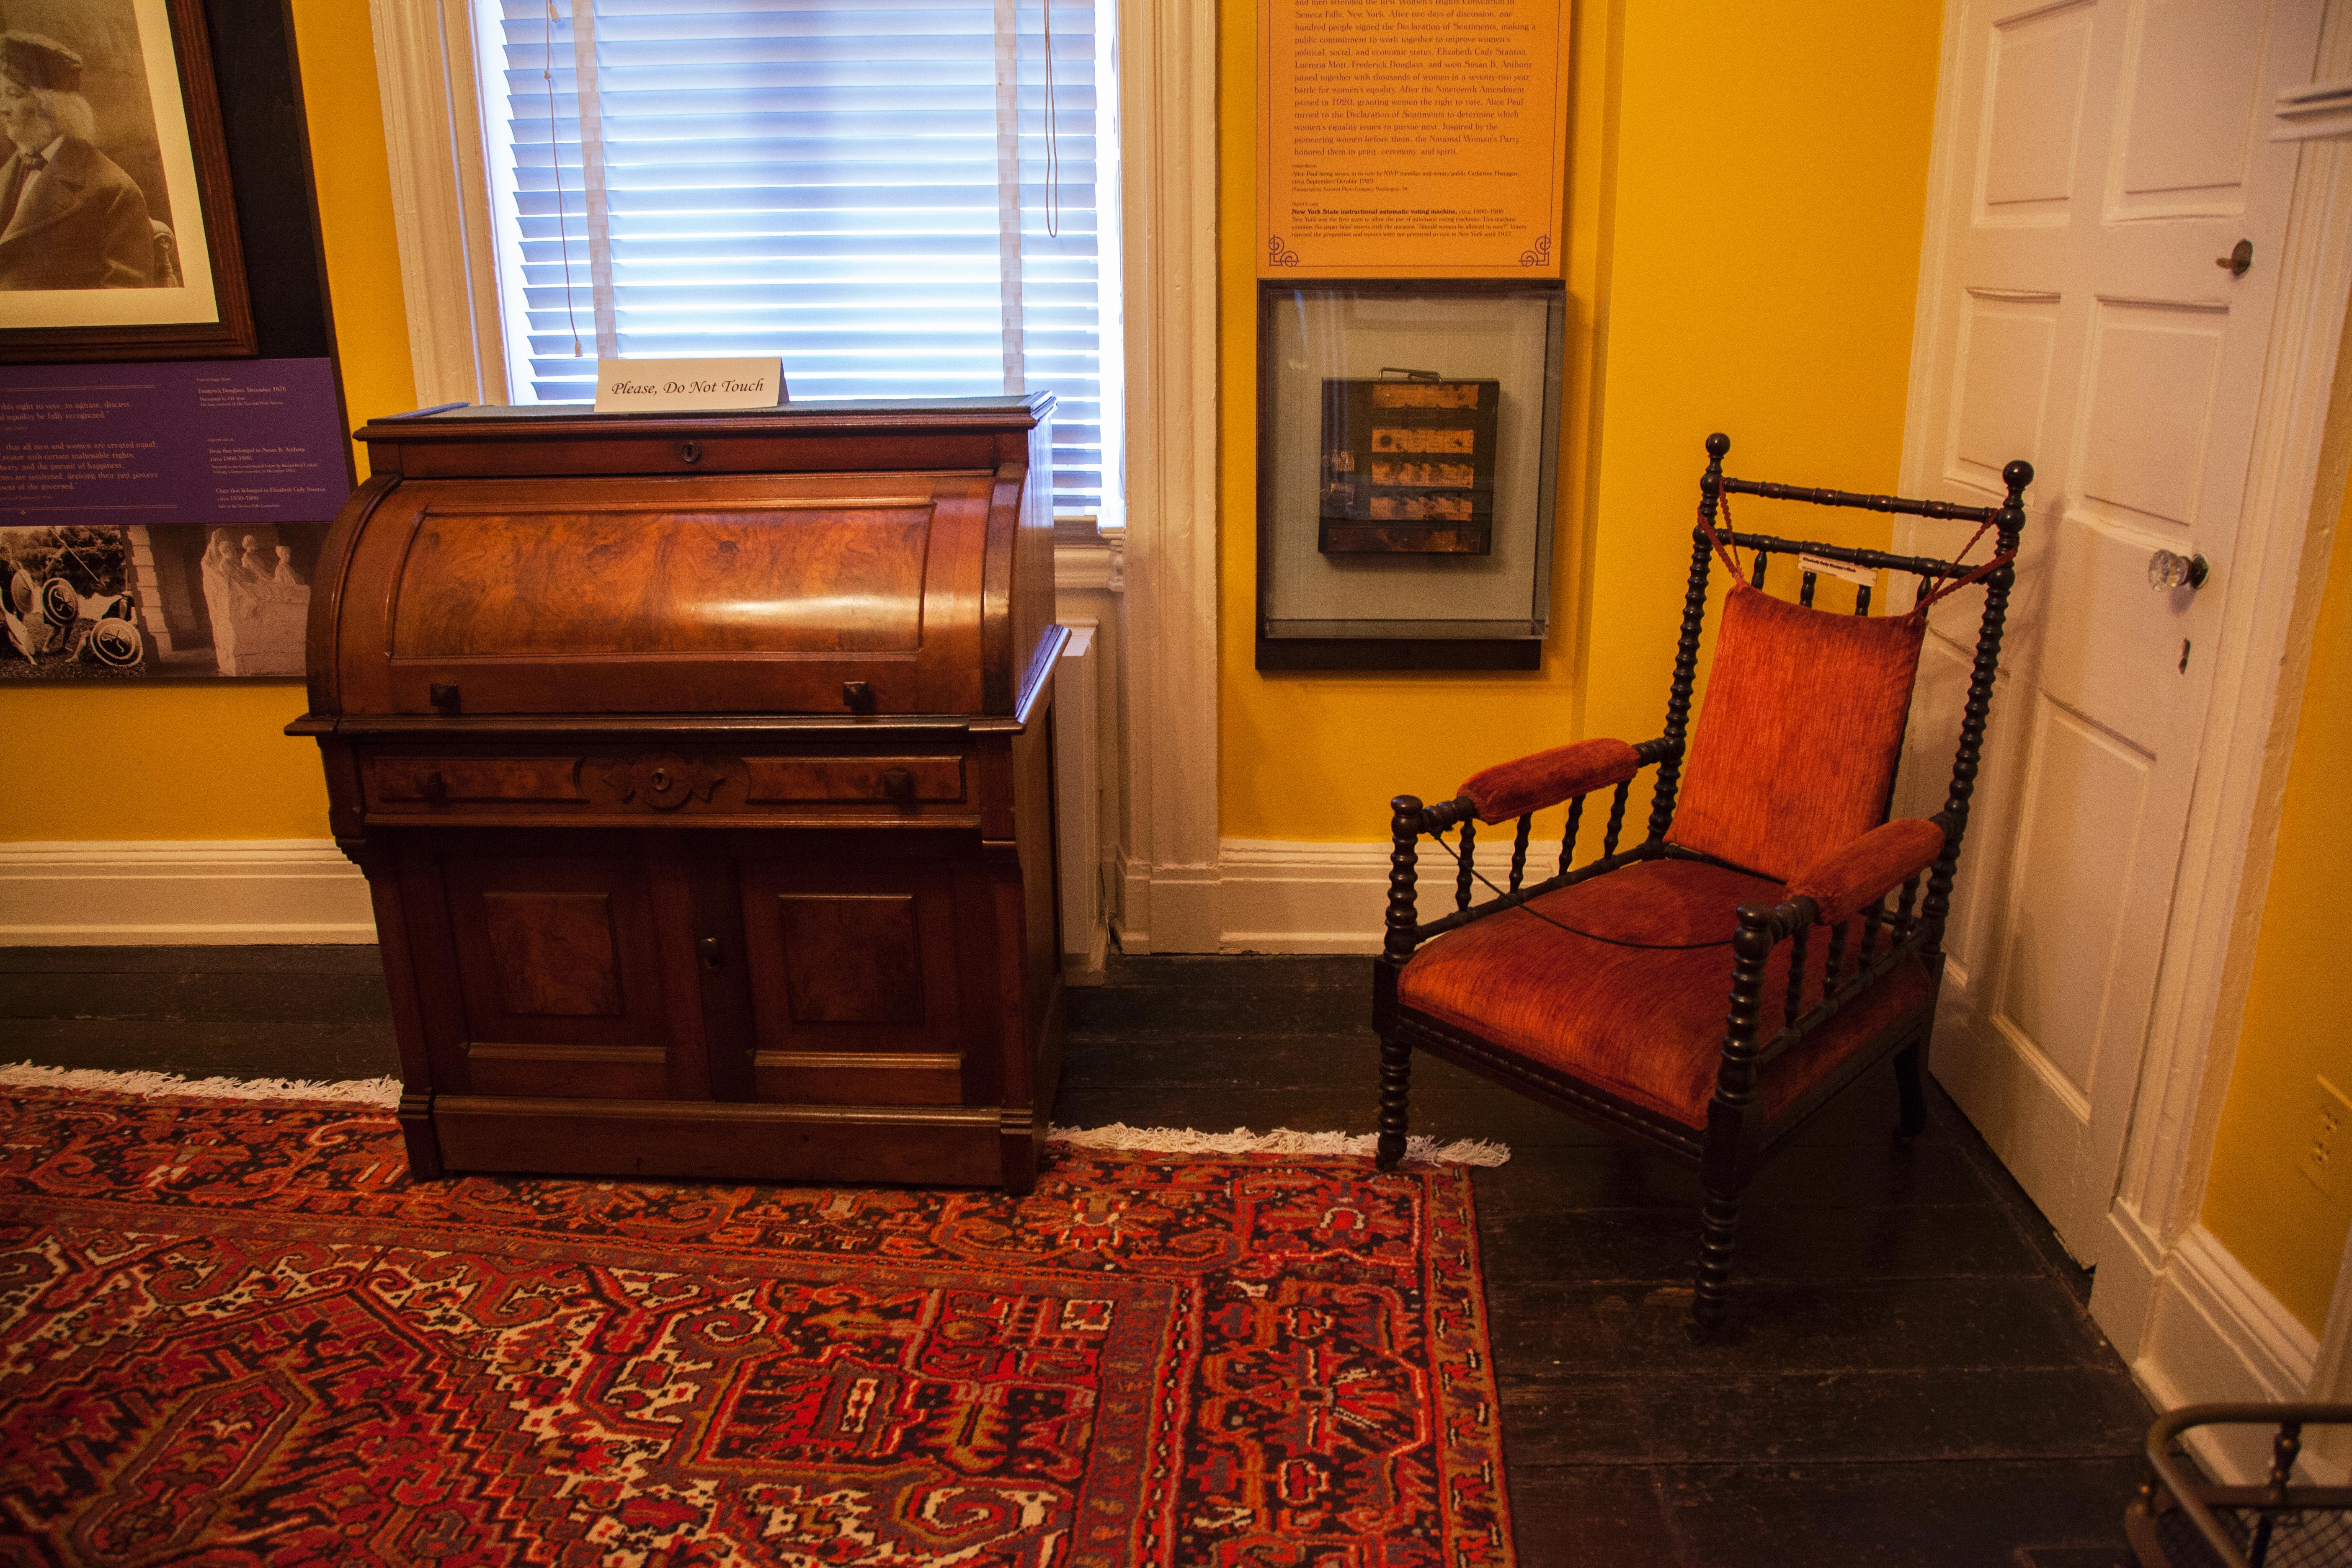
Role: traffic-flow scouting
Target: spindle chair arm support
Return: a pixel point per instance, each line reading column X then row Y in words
column 1520, row 789
column 1751, row 1039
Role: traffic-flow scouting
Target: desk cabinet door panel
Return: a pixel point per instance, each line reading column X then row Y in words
column 559, row 969
column 858, row 990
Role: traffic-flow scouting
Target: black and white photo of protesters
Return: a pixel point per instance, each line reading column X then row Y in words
column 66, row 608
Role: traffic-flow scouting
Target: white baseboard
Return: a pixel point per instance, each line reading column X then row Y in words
column 2198, row 1329
column 168, row 892
column 1283, row 896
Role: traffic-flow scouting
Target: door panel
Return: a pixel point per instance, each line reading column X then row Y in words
column 2086, row 792
column 2190, row 112
column 2142, row 457
column 2102, row 154
column 857, row 990
column 559, row 975
column 2035, row 79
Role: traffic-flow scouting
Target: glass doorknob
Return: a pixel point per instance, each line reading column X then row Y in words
column 2166, row 570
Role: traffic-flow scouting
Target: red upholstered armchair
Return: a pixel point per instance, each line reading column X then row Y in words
column 1769, row 876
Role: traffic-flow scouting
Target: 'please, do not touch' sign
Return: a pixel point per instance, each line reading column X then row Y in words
column 690, row 385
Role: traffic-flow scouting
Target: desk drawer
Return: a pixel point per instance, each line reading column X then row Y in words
column 794, row 781
column 414, row 784
column 661, row 783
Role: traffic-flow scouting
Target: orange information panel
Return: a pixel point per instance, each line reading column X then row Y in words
column 1411, row 138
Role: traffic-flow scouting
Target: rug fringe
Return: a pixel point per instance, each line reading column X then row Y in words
column 383, row 1093
column 1281, row 1140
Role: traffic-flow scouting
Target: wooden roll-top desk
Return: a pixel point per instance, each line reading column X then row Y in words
column 699, row 768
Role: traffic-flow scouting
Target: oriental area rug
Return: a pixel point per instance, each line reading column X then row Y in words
column 233, row 1332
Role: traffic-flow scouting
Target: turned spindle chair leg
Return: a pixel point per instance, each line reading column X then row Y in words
column 1718, row 1220
column 1909, row 1090
column 1396, row 1084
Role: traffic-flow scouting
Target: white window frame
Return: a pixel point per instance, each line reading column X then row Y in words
column 1166, row 552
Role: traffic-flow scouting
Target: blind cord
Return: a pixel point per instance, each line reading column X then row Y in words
column 555, row 165
column 1053, row 138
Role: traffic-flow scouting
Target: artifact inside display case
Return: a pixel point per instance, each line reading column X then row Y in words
column 1409, row 465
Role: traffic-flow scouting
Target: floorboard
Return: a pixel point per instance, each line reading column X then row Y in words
column 1913, row 1378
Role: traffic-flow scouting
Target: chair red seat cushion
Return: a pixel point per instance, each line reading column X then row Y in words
column 1642, row 1024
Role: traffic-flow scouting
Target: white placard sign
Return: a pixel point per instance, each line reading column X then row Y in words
column 675, row 386
column 1823, row 566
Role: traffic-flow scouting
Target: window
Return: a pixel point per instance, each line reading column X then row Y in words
column 898, row 197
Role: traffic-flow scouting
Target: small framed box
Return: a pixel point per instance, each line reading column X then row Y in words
column 1408, row 434
column 1408, row 464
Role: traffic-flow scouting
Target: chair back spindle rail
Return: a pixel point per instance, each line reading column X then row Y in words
column 1756, row 573
column 2008, row 523
column 1805, row 588
column 1461, row 879
column 1568, row 836
column 1685, row 675
column 1519, row 850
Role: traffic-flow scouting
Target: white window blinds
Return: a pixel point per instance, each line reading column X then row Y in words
column 895, row 196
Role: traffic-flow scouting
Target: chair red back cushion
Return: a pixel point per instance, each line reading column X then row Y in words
column 1799, row 732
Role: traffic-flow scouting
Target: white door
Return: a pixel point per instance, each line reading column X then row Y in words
column 2096, row 158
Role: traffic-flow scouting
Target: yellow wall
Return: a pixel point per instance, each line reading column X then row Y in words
column 2258, row 1205
column 1745, row 214
column 189, row 761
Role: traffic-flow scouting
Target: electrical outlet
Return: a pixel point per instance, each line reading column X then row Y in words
column 2329, row 1147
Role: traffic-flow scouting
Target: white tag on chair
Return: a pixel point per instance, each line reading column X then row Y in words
column 1866, row 576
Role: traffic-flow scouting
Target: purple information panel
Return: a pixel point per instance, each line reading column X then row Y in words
column 217, row 441
column 164, row 521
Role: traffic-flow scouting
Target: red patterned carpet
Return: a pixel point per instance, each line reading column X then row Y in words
column 233, row 1333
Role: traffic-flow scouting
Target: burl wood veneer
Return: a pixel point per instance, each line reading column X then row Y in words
column 698, row 766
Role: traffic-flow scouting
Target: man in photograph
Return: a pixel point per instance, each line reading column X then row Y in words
column 69, row 217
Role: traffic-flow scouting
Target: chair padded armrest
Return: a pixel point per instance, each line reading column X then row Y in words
column 1547, row 778
column 1865, row 868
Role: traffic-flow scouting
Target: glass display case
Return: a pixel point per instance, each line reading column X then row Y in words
column 1407, row 447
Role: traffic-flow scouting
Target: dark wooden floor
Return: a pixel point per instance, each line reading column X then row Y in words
column 1915, row 1380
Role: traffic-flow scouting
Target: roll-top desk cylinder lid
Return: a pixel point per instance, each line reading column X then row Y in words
column 870, row 559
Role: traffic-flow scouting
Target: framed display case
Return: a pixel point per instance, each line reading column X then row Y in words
column 1408, row 448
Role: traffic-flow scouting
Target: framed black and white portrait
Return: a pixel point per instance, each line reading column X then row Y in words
column 117, row 234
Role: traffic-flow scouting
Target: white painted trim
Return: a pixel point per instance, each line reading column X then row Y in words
column 1286, row 897
column 1098, row 568
column 440, row 199
column 171, row 892
column 2212, row 1334
column 1168, row 116
column 2330, row 1450
column 2321, row 108
column 1077, row 801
